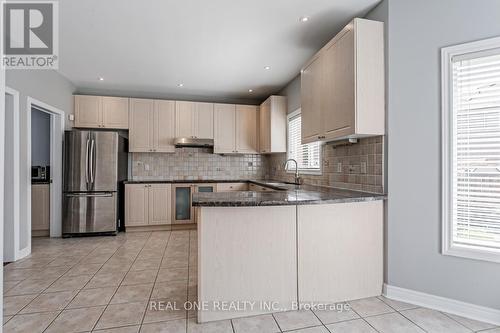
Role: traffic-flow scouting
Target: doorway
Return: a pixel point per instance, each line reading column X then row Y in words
column 52, row 194
column 12, row 247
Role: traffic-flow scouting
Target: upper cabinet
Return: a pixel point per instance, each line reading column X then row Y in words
column 246, row 129
column 272, row 120
column 235, row 129
column 101, row 112
column 152, row 125
column 224, row 128
column 194, row 120
column 342, row 86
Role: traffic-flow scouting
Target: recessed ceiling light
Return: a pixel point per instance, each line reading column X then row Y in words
column 267, row 67
column 101, row 78
column 304, row 18
column 180, row 85
column 250, row 90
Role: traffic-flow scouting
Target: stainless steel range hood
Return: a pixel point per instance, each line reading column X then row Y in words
column 193, row 142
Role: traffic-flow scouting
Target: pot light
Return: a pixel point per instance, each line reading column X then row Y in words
column 100, row 78
column 250, row 90
column 304, row 18
column 180, row 85
column 267, row 68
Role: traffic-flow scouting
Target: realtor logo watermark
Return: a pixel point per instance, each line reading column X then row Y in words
column 30, row 34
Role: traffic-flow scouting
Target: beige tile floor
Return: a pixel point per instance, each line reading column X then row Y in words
column 104, row 284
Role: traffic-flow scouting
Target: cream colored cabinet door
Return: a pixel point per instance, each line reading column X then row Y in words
column 115, row 112
column 312, row 93
column 88, row 111
column 164, row 126
column 224, row 128
column 40, row 207
column 160, row 201
column 185, row 113
column 246, row 129
column 136, row 204
column 141, row 125
column 339, row 106
column 204, row 120
column 265, row 127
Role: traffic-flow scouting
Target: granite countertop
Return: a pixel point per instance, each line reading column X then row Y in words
column 285, row 194
column 193, row 181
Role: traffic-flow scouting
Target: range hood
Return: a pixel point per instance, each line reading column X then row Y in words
column 193, row 142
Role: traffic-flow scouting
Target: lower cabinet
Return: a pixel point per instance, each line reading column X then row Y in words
column 40, row 209
column 230, row 187
column 183, row 212
column 147, row 204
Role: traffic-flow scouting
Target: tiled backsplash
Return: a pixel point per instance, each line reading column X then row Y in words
column 197, row 164
column 352, row 158
column 202, row 164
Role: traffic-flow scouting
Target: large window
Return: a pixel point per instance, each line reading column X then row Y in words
column 308, row 156
column 471, row 150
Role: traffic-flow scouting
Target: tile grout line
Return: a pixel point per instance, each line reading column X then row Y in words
column 156, row 278
column 78, row 291
column 119, row 284
column 41, row 292
column 102, row 242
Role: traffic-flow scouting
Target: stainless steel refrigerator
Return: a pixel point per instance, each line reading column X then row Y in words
column 95, row 166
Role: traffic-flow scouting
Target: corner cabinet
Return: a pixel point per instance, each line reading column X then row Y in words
column 342, row 86
column 147, row 204
column 235, row 129
column 272, row 121
column 101, row 112
column 152, row 125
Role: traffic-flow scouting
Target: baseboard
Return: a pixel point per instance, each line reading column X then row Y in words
column 468, row 310
column 165, row 227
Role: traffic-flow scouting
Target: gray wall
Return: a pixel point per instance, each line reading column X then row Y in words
column 40, row 137
column 417, row 31
column 48, row 87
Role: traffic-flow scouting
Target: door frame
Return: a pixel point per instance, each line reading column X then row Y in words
column 57, row 120
column 14, row 225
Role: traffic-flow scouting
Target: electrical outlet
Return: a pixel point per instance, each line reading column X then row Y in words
column 363, row 167
column 339, row 167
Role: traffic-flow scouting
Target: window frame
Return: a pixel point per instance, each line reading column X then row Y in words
column 448, row 247
column 318, row 172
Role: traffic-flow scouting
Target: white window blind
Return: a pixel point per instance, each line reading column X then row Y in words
column 308, row 155
column 475, row 150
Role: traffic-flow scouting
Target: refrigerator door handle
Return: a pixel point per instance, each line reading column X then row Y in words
column 92, row 151
column 90, row 195
column 87, row 161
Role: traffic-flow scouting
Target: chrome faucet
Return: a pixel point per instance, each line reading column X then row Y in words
column 297, row 177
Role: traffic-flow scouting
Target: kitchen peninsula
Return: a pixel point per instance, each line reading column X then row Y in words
column 293, row 245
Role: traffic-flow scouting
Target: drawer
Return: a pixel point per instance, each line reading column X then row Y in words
column 230, row 187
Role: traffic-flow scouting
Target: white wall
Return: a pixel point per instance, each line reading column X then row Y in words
column 292, row 93
column 49, row 87
column 417, row 31
column 40, row 137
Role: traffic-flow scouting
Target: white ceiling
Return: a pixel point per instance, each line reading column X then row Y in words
column 217, row 48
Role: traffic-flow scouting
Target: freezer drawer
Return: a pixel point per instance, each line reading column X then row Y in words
column 89, row 212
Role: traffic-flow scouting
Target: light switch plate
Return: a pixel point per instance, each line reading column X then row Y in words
column 71, row 117
column 146, row 167
column 339, row 167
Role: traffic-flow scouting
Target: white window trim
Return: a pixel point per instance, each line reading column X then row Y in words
column 448, row 248
column 302, row 171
